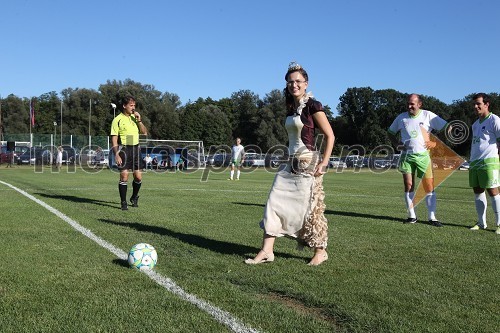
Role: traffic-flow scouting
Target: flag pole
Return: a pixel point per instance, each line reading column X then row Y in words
column 60, row 123
column 90, row 115
column 30, row 108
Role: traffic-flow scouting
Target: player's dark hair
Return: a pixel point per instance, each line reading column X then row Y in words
column 486, row 97
column 289, row 100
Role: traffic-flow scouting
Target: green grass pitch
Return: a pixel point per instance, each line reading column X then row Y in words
column 381, row 276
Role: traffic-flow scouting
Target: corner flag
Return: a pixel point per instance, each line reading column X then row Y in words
column 444, row 162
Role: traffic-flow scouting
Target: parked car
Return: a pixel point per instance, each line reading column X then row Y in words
column 382, row 164
column 209, row 160
column 101, row 158
column 354, row 161
column 105, row 162
column 221, row 160
column 70, row 155
column 395, row 160
column 26, row 158
column 336, row 163
column 11, row 157
column 254, row 159
column 276, row 160
column 35, row 155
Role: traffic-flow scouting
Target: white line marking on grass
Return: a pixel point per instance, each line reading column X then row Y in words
column 173, row 189
column 220, row 315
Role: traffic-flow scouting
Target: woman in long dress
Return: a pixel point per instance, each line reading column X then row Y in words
column 295, row 206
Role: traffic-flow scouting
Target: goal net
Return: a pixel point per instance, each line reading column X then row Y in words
column 175, row 153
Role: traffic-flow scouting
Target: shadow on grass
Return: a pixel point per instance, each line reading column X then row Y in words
column 460, row 188
column 249, row 204
column 75, row 199
column 337, row 212
column 389, row 218
column 221, row 247
column 366, row 216
column 121, row 262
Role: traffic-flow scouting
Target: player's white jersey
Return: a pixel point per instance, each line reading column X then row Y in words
column 485, row 135
column 415, row 129
column 237, row 152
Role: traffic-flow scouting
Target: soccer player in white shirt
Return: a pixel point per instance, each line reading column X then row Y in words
column 484, row 161
column 237, row 158
column 414, row 127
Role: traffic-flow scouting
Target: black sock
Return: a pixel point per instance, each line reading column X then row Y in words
column 122, row 188
column 135, row 188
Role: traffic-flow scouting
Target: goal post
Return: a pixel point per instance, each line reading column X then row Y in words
column 191, row 154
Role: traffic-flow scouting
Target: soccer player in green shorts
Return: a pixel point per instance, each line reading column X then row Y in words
column 484, row 161
column 414, row 127
column 125, row 130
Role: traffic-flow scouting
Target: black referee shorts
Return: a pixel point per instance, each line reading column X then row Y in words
column 131, row 158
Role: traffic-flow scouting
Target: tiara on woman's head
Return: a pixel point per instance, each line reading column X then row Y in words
column 293, row 66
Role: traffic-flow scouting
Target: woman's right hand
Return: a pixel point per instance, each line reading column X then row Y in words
column 321, row 169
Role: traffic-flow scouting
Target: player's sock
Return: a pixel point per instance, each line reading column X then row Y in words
column 135, row 188
column 409, row 204
column 495, row 203
column 238, row 174
column 231, row 175
column 122, row 188
column 430, row 200
column 481, row 204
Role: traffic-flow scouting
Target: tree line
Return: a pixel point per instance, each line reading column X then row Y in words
column 363, row 115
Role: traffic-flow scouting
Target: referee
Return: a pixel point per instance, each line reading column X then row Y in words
column 125, row 130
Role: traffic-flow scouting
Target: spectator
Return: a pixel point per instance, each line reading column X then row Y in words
column 154, row 163
column 180, row 164
column 59, row 157
column 147, row 161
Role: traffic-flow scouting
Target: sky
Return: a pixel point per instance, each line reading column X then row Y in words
column 447, row 49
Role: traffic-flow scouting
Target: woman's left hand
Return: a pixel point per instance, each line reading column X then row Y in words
column 320, row 169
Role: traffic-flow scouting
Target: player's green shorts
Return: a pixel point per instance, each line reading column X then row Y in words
column 419, row 163
column 484, row 174
column 236, row 162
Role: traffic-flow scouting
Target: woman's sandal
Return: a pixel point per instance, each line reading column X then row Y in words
column 268, row 258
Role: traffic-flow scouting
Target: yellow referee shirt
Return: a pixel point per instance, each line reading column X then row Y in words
column 126, row 128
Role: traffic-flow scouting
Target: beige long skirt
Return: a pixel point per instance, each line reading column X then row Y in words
column 295, row 206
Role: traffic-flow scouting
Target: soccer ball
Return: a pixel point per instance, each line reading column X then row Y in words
column 142, row 256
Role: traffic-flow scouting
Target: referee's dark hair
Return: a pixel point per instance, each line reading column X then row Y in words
column 126, row 99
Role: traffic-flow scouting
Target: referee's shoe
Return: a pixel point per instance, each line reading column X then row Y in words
column 134, row 201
